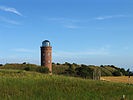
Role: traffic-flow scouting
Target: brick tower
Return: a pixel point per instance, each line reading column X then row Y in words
column 46, row 55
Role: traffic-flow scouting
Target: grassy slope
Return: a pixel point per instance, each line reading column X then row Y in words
column 21, row 85
column 58, row 69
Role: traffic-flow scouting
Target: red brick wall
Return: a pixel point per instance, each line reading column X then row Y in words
column 46, row 60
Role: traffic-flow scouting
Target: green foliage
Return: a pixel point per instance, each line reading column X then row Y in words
column 42, row 70
column 82, row 65
column 74, row 64
column 101, row 66
column 70, row 71
column 84, row 72
column 19, row 66
column 123, row 71
column 58, row 63
column 59, row 69
column 53, row 63
column 36, row 86
column 117, row 73
column 67, row 64
column 106, row 70
column 65, row 69
column 1, row 64
column 24, row 62
column 27, row 68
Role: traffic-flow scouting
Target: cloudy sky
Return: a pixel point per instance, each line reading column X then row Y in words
column 81, row 31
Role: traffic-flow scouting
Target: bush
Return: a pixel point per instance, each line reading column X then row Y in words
column 101, row 66
column 20, row 66
column 123, row 71
column 117, row 73
column 84, row 72
column 58, row 63
column 42, row 70
column 24, row 62
column 82, row 65
column 70, row 70
column 59, row 69
column 68, row 64
column 20, row 71
column 1, row 64
column 27, row 68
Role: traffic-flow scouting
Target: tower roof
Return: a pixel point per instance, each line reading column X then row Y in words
column 46, row 41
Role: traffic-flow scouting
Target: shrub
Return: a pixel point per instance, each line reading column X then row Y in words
column 117, row 73
column 24, row 62
column 75, row 64
column 20, row 71
column 82, row 65
column 42, row 70
column 59, row 69
column 84, row 72
column 53, row 63
column 20, row 66
column 101, row 66
column 68, row 64
column 123, row 71
column 70, row 70
column 27, row 68
column 58, row 63
column 1, row 64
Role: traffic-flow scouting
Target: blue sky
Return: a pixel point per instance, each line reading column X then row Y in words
column 81, row 31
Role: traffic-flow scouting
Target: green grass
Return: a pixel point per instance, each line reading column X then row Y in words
column 22, row 85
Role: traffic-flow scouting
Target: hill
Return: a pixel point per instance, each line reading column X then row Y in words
column 26, row 85
column 106, row 70
column 75, row 70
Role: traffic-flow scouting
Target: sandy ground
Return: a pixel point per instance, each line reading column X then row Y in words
column 121, row 79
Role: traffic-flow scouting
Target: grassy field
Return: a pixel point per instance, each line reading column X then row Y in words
column 22, row 85
column 121, row 79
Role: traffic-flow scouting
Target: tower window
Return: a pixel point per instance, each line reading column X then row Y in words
column 49, row 61
column 48, row 54
column 44, row 62
column 43, row 54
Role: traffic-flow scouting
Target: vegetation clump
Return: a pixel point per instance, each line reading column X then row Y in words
column 117, row 73
column 43, row 70
column 75, row 70
column 84, row 72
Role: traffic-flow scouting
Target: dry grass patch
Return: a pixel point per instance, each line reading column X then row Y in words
column 121, row 79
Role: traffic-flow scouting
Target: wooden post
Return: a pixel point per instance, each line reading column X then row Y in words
column 129, row 77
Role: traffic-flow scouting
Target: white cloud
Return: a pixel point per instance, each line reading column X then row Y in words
column 109, row 17
column 99, row 51
column 64, row 20
column 23, row 50
column 12, row 10
column 72, row 54
column 67, row 23
column 76, row 23
column 8, row 21
column 71, row 26
column 20, row 59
